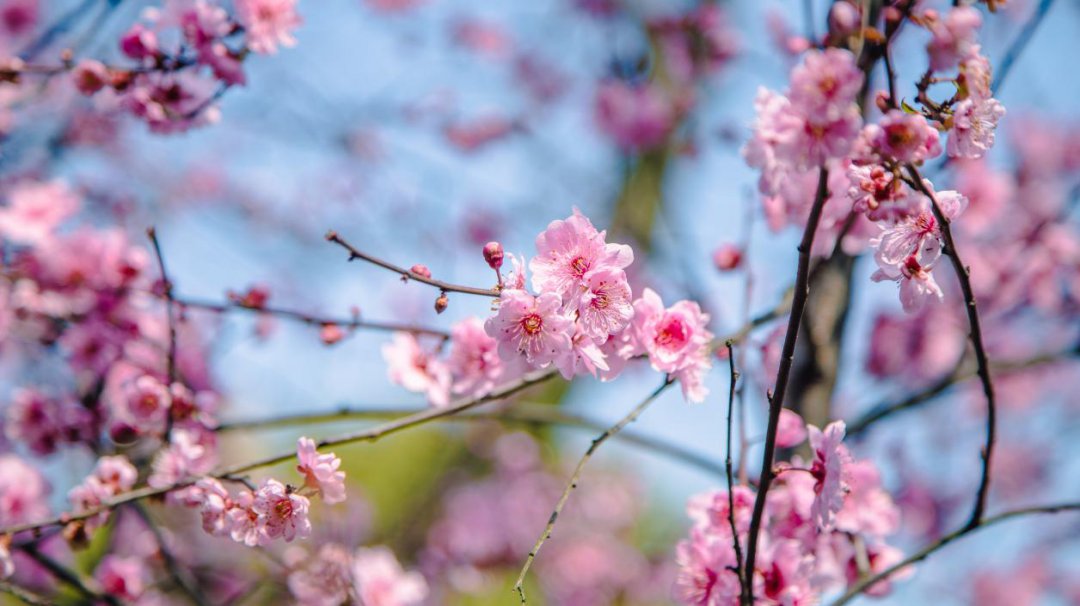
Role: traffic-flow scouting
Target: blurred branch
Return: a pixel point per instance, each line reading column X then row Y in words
column 67, row 576
column 1018, row 45
column 519, row 585
column 167, row 289
column 179, row 576
column 867, row 582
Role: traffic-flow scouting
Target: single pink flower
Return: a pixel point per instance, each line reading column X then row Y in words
column 378, row 579
column 830, row 471
column 474, row 359
column 727, row 257
column 321, row 471
column 568, row 250
column 583, row 357
column 281, row 513
column 90, row 76
column 533, row 327
column 417, row 370
column 826, row 83
column 123, row 577
column 676, row 340
column 905, row 138
column 23, row 492
column 953, row 37
column 324, row 579
column 268, row 23
column 791, row 431
column 34, row 210
column 604, row 307
column 636, row 117
column 974, row 123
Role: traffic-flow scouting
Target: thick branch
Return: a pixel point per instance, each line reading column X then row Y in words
column 867, row 582
column 976, row 342
column 519, row 585
column 776, row 402
column 332, row 236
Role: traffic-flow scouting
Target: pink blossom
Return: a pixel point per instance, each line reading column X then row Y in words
column 34, row 210
column 147, row 403
column 709, row 511
column 583, row 357
column 703, row 577
column 826, row 83
column 637, row 118
column 417, row 370
column 533, row 327
column 321, row 471
column 18, row 17
column 868, row 508
column 676, row 339
column 830, row 469
column 954, row 37
column 139, row 42
column 281, row 513
column 493, row 255
column 122, row 577
column 90, row 76
column 172, row 103
column 191, row 452
column 917, row 284
column 568, row 250
column 244, row 523
column 604, row 307
column 330, row 333
column 268, row 23
column 975, row 75
column 214, row 506
column 791, row 430
column 379, row 580
column 877, row 192
column 905, row 138
column 111, row 476
column 474, row 360
column 915, row 348
column 23, row 492
column 325, row 579
column 974, row 123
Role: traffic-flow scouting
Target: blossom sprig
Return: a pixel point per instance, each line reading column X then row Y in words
column 582, row 321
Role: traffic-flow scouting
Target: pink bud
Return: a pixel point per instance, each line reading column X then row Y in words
column 493, row 254
column 331, row 333
column 139, row 43
column 727, row 257
column 90, row 76
column 844, row 18
column 421, row 270
column 442, row 303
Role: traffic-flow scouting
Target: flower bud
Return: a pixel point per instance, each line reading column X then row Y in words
column 844, row 18
column 727, row 257
column 331, row 333
column 493, row 254
column 421, row 270
column 139, row 43
column 442, row 303
column 90, row 76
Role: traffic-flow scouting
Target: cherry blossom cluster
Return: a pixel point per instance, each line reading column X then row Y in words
column 825, row 526
column 187, row 52
column 582, row 320
column 273, row 510
column 368, row 575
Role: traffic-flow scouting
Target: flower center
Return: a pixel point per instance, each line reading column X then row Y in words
column 673, row 333
column 284, row 508
column 601, row 301
column 579, row 266
column 532, row 324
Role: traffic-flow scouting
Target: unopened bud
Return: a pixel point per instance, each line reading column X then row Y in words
column 421, row 270
column 727, row 257
column 331, row 333
column 844, row 18
column 493, row 254
column 883, row 102
column 442, row 303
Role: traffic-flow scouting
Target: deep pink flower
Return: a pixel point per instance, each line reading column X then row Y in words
column 379, row 580
column 533, row 327
column 281, row 513
column 830, row 471
column 703, row 577
column 34, row 210
column 417, row 370
column 123, row 577
column 268, row 23
column 727, row 257
column 676, row 339
column 568, row 250
column 974, row 123
column 139, row 42
column 321, row 471
column 905, row 138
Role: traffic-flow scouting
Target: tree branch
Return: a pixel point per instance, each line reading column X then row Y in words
column 519, row 585
column 976, row 342
column 734, row 376
column 867, row 582
column 802, row 291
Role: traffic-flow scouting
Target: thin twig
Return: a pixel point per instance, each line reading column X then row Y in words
column 179, row 576
column 332, row 236
column 167, row 289
column 776, row 402
column 519, row 585
column 867, row 582
column 520, row 412
column 307, row 318
column 981, row 359
column 734, row 376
